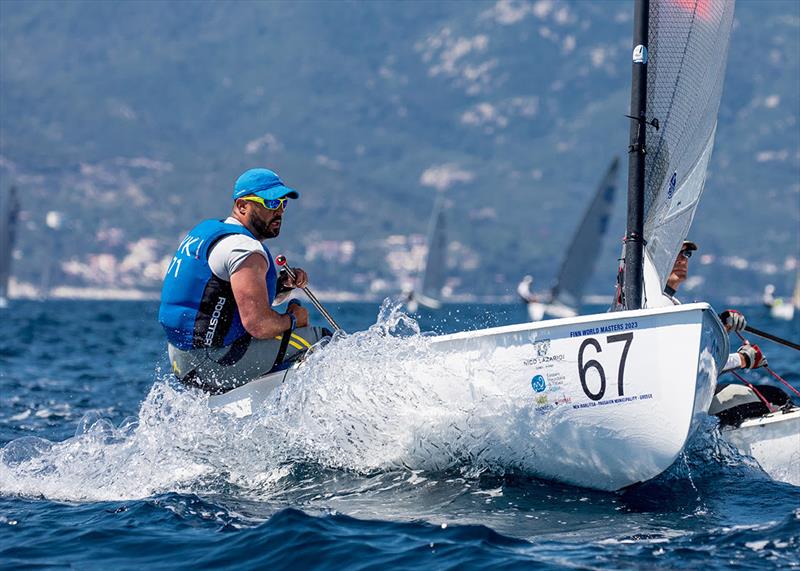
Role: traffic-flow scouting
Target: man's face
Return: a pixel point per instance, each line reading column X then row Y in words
column 680, row 269
column 264, row 222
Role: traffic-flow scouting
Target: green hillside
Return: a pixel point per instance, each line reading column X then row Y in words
column 133, row 119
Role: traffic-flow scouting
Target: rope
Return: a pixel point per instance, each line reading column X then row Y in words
column 755, row 390
column 771, row 372
column 774, row 374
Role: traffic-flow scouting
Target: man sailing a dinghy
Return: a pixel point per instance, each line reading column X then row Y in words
column 747, row 356
column 218, row 293
column 732, row 402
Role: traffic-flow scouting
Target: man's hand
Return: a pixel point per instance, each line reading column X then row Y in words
column 733, row 320
column 752, row 357
column 301, row 278
column 300, row 314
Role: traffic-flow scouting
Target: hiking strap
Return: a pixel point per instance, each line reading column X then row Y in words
column 287, row 335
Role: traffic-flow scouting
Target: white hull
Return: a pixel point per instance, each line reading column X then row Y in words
column 428, row 302
column 412, row 305
column 659, row 368
column 783, row 311
column 537, row 311
column 773, row 440
column 242, row 401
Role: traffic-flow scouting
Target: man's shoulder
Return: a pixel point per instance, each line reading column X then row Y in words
column 230, row 252
column 221, row 227
column 237, row 243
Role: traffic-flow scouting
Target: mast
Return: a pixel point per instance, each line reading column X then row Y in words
column 634, row 234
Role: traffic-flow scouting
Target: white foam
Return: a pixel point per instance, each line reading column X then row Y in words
column 372, row 401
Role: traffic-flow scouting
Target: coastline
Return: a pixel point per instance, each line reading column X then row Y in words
column 24, row 290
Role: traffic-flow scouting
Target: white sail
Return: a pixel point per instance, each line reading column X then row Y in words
column 434, row 273
column 581, row 258
column 587, row 241
column 687, row 55
column 9, row 208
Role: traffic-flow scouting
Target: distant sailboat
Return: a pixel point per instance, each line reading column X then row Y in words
column 780, row 308
column 9, row 209
column 796, row 292
column 431, row 281
column 578, row 265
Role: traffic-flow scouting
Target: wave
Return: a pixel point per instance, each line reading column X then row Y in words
column 380, row 404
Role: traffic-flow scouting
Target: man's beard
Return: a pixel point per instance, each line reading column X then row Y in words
column 263, row 230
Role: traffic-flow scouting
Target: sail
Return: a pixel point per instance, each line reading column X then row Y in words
column 579, row 262
column 687, row 55
column 9, row 208
column 433, row 275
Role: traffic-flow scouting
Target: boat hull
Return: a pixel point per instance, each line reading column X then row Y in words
column 242, row 401
column 773, row 440
column 601, row 401
column 537, row 311
column 783, row 311
column 606, row 400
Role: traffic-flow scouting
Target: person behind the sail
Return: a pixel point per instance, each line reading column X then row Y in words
column 769, row 295
column 747, row 356
column 217, row 297
column 524, row 290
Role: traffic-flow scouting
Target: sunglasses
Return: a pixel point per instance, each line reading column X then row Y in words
column 686, row 254
column 274, row 204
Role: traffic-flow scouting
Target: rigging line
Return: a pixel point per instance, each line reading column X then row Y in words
column 755, row 390
column 774, row 374
column 771, row 372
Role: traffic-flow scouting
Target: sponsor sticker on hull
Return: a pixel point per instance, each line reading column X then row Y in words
column 585, row 372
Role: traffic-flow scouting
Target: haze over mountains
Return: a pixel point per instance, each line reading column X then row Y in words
column 132, row 119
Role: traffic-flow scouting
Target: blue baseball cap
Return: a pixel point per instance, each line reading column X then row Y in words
column 263, row 183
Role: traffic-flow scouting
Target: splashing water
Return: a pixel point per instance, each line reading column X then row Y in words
column 374, row 401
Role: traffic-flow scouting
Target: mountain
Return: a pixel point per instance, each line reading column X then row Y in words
column 132, row 119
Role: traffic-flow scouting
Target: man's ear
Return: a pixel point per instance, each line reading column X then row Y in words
column 240, row 206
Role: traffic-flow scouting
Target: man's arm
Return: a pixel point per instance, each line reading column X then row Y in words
column 250, row 291
column 746, row 357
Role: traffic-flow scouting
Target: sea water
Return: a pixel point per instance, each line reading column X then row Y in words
column 363, row 462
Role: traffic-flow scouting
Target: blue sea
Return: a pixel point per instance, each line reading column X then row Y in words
column 107, row 464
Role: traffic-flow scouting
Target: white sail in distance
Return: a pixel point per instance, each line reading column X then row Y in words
column 9, row 208
column 579, row 261
column 686, row 61
column 434, row 273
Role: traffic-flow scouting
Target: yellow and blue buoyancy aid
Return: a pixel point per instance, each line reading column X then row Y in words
column 198, row 308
